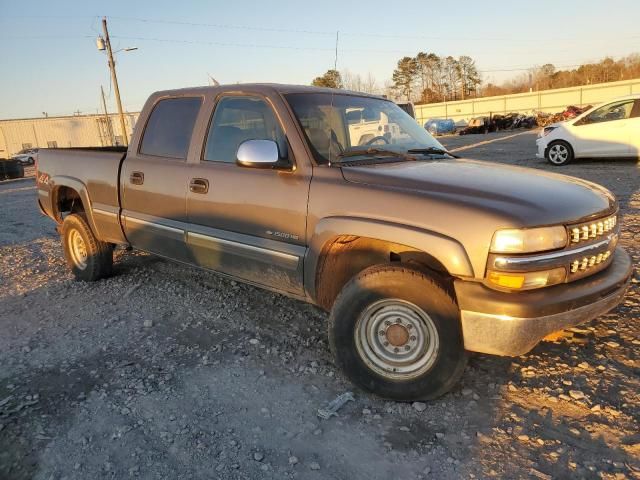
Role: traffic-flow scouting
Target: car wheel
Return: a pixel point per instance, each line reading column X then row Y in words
column 395, row 331
column 559, row 153
column 89, row 258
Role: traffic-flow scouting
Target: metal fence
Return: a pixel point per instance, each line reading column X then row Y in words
column 550, row 101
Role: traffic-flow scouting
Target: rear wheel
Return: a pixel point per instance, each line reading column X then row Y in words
column 89, row 258
column 395, row 331
column 559, row 153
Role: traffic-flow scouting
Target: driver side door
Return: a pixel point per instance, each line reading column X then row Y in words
column 605, row 132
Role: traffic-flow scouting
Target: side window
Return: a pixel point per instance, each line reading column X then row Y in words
column 237, row 119
column 614, row 111
column 169, row 128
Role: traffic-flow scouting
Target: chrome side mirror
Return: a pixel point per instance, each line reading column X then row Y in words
column 258, row 154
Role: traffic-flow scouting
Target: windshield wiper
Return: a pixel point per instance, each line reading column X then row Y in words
column 345, row 157
column 431, row 150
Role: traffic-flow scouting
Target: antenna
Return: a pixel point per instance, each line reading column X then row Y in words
column 335, row 69
column 335, row 62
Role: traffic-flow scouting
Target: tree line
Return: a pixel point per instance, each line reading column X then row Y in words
column 429, row 78
column 425, row 78
column 548, row 76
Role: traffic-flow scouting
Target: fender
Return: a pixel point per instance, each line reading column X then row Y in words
column 64, row 181
column 446, row 250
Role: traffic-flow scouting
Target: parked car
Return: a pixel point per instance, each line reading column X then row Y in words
column 367, row 126
column 409, row 108
column 10, row 168
column 477, row 125
column 418, row 255
column 26, row 156
column 611, row 129
column 440, row 126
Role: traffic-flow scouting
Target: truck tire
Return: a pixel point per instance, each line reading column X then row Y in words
column 89, row 258
column 395, row 331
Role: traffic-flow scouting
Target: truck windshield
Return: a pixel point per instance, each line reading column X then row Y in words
column 339, row 125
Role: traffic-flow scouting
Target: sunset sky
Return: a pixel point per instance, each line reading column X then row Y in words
column 49, row 61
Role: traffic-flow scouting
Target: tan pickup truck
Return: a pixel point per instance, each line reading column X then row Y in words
column 418, row 255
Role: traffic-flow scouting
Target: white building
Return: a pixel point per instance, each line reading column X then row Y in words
column 54, row 132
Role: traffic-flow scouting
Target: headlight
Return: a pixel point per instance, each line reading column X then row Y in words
column 529, row 240
column 527, row 280
column 547, row 130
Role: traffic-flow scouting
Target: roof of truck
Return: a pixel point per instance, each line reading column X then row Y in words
column 263, row 88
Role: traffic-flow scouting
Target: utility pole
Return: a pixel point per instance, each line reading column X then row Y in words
column 114, row 79
column 107, row 120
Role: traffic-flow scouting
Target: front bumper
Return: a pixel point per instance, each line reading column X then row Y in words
column 502, row 323
column 541, row 145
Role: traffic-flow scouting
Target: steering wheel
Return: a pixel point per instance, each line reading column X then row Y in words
column 375, row 139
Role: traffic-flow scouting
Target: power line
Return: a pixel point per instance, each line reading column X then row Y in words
column 293, row 30
column 221, row 44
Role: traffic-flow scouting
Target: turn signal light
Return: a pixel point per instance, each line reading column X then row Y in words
column 528, row 280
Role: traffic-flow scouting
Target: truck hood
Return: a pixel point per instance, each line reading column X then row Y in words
column 521, row 196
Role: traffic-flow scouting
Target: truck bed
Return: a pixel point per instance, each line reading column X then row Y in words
column 95, row 177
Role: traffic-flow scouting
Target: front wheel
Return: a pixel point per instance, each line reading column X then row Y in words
column 559, row 153
column 395, row 331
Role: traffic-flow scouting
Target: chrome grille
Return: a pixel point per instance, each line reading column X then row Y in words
column 586, row 263
column 588, row 231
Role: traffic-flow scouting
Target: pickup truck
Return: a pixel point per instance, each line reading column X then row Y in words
column 419, row 256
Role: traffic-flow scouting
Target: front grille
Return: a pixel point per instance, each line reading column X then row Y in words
column 586, row 264
column 589, row 231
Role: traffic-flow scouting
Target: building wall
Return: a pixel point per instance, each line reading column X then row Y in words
column 550, row 101
column 75, row 131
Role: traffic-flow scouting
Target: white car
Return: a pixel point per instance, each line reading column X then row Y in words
column 26, row 156
column 611, row 129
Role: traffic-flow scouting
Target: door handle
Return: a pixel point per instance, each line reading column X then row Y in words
column 199, row 185
column 137, row 178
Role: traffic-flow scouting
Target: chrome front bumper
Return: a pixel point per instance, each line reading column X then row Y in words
column 510, row 334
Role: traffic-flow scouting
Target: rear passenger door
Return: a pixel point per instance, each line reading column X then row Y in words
column 154, row 181
column 246, row 222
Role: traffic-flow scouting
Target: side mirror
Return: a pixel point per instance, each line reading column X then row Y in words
column 258, row 154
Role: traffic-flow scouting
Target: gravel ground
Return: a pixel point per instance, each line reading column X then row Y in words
column 163, row 371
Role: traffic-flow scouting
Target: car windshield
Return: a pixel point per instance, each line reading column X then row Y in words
column 341, row 125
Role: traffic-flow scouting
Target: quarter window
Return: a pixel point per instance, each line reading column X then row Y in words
column 169, row 128
column 238, row 119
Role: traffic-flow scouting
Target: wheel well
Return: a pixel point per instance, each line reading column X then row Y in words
column 346, row 256
column 560, row 141
column 66, row 200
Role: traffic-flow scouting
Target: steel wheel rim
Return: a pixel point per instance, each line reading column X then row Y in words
column 78, row 249
column 379, row 334
column 558, row 154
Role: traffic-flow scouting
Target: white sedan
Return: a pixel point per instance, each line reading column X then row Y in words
column 611, row 129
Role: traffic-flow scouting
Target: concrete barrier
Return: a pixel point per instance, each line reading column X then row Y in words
column 550, row 101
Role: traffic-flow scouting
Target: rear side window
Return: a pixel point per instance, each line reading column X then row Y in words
column 169, row 129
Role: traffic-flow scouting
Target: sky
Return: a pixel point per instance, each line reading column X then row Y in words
column 49, row 61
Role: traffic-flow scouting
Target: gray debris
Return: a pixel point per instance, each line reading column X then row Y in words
column 419, row 406
column 335, row 405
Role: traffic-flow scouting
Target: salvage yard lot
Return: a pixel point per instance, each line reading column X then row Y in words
column 163, row 371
